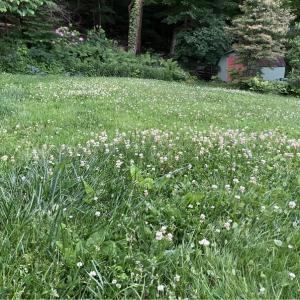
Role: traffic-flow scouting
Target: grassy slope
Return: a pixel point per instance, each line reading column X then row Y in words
column 41, row 243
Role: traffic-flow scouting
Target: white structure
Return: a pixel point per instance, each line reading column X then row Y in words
column 227, row 61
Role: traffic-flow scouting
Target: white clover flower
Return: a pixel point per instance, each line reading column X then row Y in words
column 290, row 246
column 163, row 229
column 263, row 207
column 292, row 276
column 218, row 230
column 160, row 288
column 202, row 216
column 204, row 242
column 159, row 235
column 146, row 193
column 262, row 289
column 4, row 157
column 97, row 213
column 242, row 189
column 214, row 186
column 235, row 180
column 93, row 273
column 177, row 278
column 118, row 286
column 190, row 206
column 79, row 264
column 292, row 204
column 227, row 225
column 114, row 281
column 169, row 237
column 237, row 197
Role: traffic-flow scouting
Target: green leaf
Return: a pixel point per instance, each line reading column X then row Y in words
column 235, row 225
column 96, row 238
column 278, row 243
column 299, row 179
column 89, row 192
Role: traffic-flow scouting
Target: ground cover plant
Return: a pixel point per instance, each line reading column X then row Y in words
column 131, row 188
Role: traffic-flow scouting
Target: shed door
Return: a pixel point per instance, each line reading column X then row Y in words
column 231, row 64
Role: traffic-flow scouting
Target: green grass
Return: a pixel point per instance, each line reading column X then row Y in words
column 91, row 169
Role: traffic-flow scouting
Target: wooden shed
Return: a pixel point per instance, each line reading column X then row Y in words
column 227, row 61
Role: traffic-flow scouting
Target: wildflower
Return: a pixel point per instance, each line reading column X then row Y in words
column 276, row 208
column 163, row 229
column 214, row 186
column 177, row 278
column 242, row 189
column 252, row 180
column 262, row 289
column 202, row 216
column 263, row 208
column 218, row 230
column 97, row 213
column 169, row 237
column 114, row 281
column 235, row 180
column 93, row 273
column 237, row 197
column 190, row 206
column 80, row 39
column 53, row 42
column 290, row 246
column 23, row 178
column 159, row 235
column 118, row 163
column 227, row 225
column 227, row 187
column 118, row 286
column 204, row 242
column 79, row 264
column 4, row 157
column 292, row 204
column 145, row 192
column 160, row 288
column 168, row 175
column 292, row 276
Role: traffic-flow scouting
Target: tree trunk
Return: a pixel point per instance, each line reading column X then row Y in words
column 129, row 19
column 135, row 26
column 139, row 41
column 173, row 41
column 6, row 28
column 99, row 19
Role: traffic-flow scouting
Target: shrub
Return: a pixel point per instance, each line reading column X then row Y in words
column 268, row 87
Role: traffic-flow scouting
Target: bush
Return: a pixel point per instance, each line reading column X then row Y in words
column 268, row 87
column 95, row 56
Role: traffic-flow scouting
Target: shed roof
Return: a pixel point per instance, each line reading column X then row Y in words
column 266, row 63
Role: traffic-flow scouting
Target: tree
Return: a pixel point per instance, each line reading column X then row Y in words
column 22, row 7
column 135, row 10
column 260, row 33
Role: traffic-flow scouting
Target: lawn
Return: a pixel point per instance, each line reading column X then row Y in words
column 128, row 188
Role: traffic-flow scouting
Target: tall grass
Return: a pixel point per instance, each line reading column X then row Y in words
column 107, row 186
